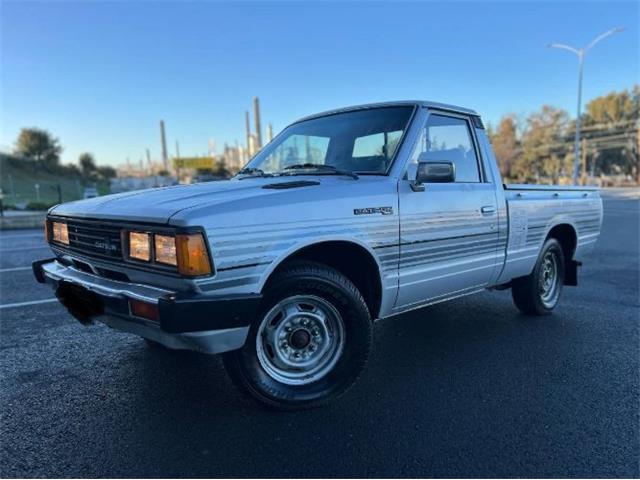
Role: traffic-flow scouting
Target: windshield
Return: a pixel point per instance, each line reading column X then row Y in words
column 362, row 141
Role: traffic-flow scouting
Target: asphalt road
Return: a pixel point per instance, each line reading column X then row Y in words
column 469, row 388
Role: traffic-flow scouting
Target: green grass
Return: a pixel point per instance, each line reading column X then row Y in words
column 18, row 184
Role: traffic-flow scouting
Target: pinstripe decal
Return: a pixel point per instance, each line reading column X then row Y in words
column 426, row 249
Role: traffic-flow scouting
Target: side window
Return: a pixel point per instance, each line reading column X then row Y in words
column 448, row 139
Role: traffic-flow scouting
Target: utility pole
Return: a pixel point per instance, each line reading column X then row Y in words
column 583, row 177
column 638, row 152
column 177, row 149
column 581, row 52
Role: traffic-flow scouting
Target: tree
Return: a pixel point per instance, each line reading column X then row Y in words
column 610, row 132
column 505, row 144
column 106, row 172
column 91, row 171
column 613, row 108
column 544, row 149
column 87, row 164
column 38, row 145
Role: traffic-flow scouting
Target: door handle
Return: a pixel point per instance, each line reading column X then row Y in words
column 488, row 210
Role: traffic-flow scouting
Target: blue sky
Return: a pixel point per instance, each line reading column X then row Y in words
column 100, row 76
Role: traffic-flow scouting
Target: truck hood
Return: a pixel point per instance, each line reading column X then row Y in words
column 159, row 205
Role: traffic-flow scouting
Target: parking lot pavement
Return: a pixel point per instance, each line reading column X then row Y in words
column 469, row 388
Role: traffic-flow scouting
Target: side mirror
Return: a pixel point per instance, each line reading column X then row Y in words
column 433, row 172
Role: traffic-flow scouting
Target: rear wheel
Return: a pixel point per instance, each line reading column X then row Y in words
column 539, row 292
column 309, row 342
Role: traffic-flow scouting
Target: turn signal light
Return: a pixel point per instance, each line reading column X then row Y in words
column 192, row 255
column 144, row 310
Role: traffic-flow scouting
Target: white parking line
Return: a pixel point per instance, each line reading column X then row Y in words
column 15, row 269
column 26, row 304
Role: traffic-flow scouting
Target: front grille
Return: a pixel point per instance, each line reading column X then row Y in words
column 95, row 240
column 102, row 240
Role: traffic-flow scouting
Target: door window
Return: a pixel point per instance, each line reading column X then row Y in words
column 448, row 139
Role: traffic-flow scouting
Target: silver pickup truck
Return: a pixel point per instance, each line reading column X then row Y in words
column 346, row 217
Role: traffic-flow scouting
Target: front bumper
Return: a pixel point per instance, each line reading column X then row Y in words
column 205, row 323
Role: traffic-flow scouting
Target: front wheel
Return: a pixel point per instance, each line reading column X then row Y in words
column 539, row 292
column 310, row 341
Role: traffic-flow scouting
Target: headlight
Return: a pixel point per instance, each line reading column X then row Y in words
column 60, row 233
column 139, row 246
column 165, row 248
column 187, row 252
column 192, row 255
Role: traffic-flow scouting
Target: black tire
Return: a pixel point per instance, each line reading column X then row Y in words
column 528, row 293
column 313, row 280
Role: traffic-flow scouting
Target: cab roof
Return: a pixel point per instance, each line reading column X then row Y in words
column 400, row 103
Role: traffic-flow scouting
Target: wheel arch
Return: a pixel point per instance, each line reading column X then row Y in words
column 351, row 257
column 566, row 234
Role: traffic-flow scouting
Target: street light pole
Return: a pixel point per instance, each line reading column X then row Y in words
column 581, row 52
column 576, row 147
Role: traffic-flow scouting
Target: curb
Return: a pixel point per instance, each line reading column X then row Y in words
column 33, row 220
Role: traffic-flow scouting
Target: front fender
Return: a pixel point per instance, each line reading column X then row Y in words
column 315, row 241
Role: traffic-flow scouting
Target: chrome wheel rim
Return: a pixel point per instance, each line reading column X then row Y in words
column 300, row 340
column 548, row 281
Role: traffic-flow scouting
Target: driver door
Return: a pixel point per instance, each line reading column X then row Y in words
column 448, row 231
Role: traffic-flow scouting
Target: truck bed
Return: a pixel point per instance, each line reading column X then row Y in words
column 533, row 210
column 553, row 188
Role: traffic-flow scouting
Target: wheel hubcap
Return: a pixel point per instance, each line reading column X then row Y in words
column 300, row 339
column 548, row 282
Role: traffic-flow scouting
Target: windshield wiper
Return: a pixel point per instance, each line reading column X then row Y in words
column 322, row 166
column 253, row 172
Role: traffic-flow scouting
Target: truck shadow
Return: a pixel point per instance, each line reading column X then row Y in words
column 407, row 348
column 428, row 360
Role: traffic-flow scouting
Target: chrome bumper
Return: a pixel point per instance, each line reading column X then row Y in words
column 54, row 272
column 117, row 314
